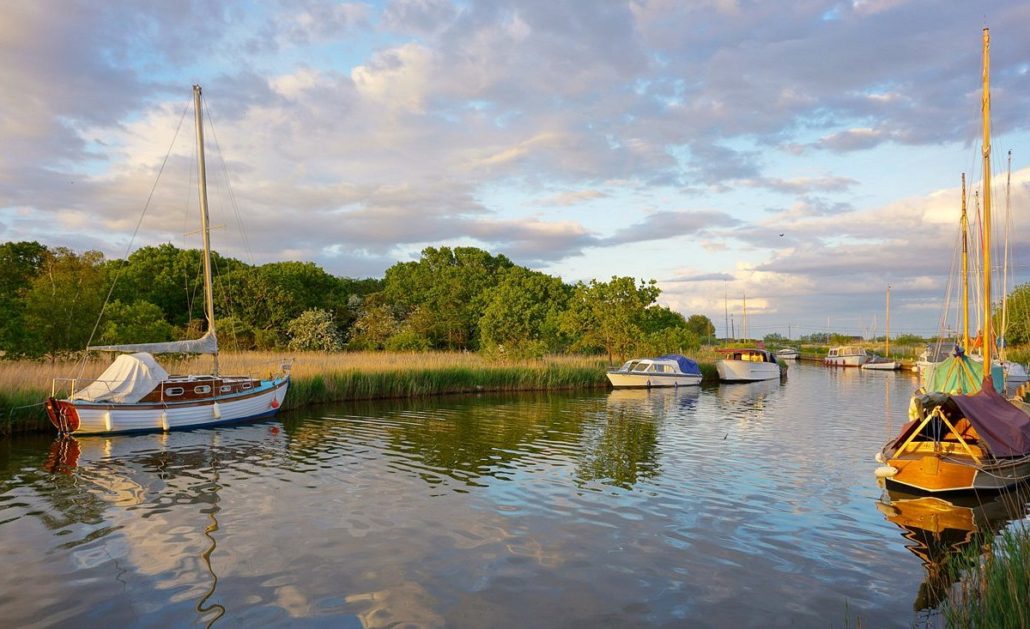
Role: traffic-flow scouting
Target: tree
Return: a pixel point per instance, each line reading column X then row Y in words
column 375, row 324
column 607, row 315
column 314, row 330
column 522, row 313
column 63, row 301
column 701, row 326
column 449, row 285
column 657, row 318
column 20, row 262
column 136, row 322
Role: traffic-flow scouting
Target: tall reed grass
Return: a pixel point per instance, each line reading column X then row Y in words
column 995, row 592
column 323, row 377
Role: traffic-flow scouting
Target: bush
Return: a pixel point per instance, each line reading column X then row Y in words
column 314, row 330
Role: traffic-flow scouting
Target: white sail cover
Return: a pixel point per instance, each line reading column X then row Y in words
column 207, row 344
column 129, row 379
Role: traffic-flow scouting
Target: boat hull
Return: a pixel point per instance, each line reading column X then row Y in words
column 621, row 380
column 90, row 418
column 932, row 473
column 888, row 366
column 845, row 361
column 746, row 371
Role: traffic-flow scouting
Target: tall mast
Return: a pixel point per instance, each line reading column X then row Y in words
column 1005, row 264
column 205, row 229
column 745, row 316
column 887, row 349
column 965, row 269
column 988, row 338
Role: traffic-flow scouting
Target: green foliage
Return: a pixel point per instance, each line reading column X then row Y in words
column 449, row 283
column 63, row 301
column 908, row 339
column 701, row 326
column 774, row 339
column 136, row 322
column 1017, row 308
column 314, row 330
column 668, row 341
column 657, row 318
column 19, row 264
column 522, row 314
column 994, row 591
column 407, row 340
column 608, row 315
column 375, row 324
column 235, row 334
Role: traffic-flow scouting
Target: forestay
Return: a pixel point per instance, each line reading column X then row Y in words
column 128, row 380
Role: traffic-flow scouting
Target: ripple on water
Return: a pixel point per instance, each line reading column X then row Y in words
column 732, row 505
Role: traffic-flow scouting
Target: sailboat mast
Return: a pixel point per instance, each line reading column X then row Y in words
column 988, row 339
column 209, row 293
column 965, row 269
column 1005, row 263
column 745, row 316
column 887, row 338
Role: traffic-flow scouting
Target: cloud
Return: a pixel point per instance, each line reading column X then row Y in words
column 571, row 198
column 670, row 224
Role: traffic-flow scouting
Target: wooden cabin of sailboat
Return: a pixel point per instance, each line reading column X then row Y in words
column 136, row 394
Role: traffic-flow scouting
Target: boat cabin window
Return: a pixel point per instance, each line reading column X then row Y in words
column 641, row 367
column 246, row 385
column 202, row 389
column 225, row 388
column 173, row 391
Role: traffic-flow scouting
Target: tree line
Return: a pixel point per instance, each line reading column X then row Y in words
column 52, row 301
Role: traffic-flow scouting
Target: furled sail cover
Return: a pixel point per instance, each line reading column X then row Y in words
column 1004, row 428
column 207, row 344
column 129, row 379
column 686, row 365
column 959, row 374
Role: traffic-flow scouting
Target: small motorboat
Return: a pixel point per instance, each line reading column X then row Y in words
column 672, row 370
column 846, row 356
column 879, row 363
column 788, row 353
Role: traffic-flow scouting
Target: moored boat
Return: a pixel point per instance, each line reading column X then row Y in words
column 846, row 356
column 964, row 436
column 136, row 394
column 748, row 365
column 672, row 370
column 879, row 363
column 788, row 353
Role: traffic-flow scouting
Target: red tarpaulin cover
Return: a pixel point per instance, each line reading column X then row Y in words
column 1004, row 429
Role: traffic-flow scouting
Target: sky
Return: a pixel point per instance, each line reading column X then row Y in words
column 805, row 154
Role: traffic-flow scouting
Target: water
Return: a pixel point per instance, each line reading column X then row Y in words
column 734, row 505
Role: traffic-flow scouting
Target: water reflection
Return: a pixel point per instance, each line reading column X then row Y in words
column 943, row 532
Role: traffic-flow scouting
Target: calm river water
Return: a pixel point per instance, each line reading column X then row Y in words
column 727, row 506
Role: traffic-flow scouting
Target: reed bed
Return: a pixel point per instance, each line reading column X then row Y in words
column 995, row 592
column 319, row 377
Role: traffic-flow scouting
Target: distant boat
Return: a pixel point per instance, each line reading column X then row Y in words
column 846, row 356
column 788, row 353
column 137, row 394
column 964, row 436
column 879, row 363
column 748, row 365
column 672, row 370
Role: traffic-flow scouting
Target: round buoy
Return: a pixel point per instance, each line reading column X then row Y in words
column 886, row 471
column 879, row 458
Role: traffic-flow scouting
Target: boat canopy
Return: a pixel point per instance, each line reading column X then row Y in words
column 1003, row 428
column 128, row 380
column 686, row 365
column 959, row 374
column 207, row 344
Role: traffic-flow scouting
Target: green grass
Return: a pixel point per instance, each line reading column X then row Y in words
column 995, row 592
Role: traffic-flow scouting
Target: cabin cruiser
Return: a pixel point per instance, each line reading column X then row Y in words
column 672, row 370
column 788, row 353
column 846, row 356
column 748, row 365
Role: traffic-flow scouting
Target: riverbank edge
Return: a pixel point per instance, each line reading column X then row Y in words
column 23, row 412
column 995, row 591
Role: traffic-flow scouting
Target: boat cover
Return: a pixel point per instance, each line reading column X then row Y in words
column 686, row 365
column 959, row 374
column 129, row 379
column 1003, row 428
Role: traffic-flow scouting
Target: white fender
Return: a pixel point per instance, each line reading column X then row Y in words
column 107, row 421
column 216, row 411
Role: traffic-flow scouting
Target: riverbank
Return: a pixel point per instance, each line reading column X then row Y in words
column 996, row 590
column 320, row 378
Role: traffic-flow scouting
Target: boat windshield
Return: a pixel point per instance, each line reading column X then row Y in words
column 641, row 366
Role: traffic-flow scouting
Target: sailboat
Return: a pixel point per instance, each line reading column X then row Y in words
column 884, row 363
column 964, row 436
column 136, row 394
